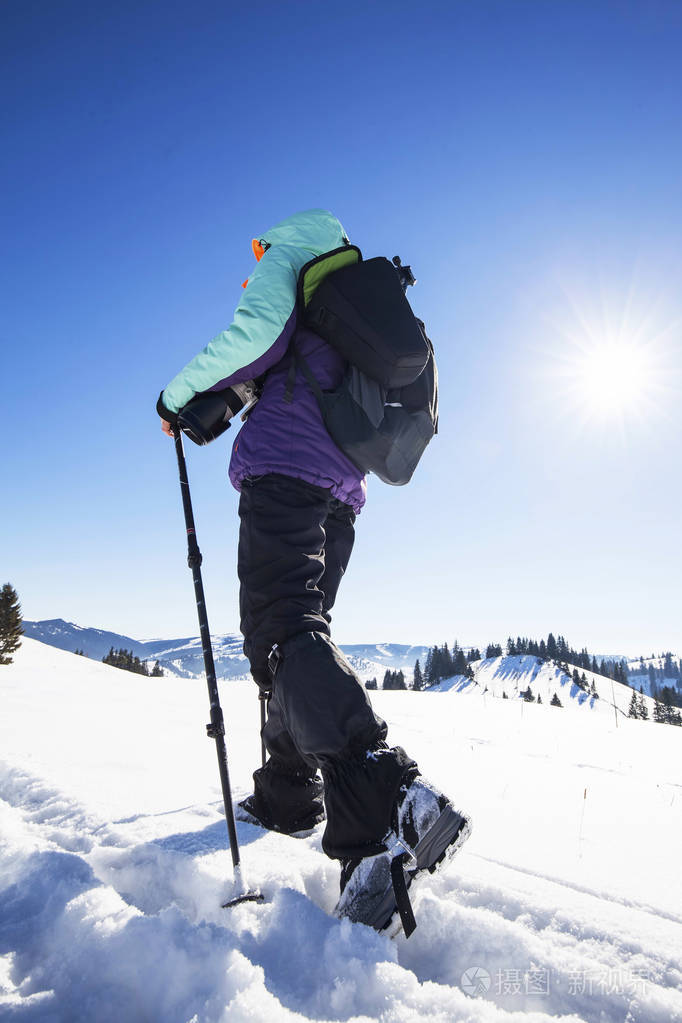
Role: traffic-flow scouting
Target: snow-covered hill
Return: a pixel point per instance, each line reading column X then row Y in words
column 513, row 675
column 566, row 903
column 183, row 657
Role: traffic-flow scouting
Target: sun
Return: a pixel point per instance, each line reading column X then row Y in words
column 610, row 363
column 611, row 375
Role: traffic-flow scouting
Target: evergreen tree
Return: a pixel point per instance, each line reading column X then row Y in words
column 11, row 627
column 660, row 712
column 539, row 698
column 511, row 647
column 551, row 647
column 371, row 683
column 633, row 709
column 642, row 708
column 461, row 665
column 418, row 678
column 428, row 669
column 157, row 671
column 446, row 663
column 555, row 701
column 493, row 650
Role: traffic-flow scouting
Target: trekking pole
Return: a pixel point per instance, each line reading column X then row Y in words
column 264, row 699
column 216, row 727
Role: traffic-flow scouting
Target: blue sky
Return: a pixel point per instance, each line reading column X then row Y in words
column 524, row 157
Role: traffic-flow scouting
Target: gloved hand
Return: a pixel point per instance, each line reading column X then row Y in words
column 168, row 419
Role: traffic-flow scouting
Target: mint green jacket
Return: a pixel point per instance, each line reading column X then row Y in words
column 258, row 336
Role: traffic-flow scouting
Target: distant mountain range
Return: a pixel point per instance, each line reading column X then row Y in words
column 183, row 657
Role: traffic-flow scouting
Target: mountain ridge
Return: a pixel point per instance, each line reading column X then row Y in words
column 183, row 656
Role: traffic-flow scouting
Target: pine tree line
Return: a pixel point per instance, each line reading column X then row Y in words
column 665, row 707
column 558, row 650
column 394, row 680
column 442, row 663
column 126, row 660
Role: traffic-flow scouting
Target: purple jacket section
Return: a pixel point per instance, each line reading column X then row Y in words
column 290, row 437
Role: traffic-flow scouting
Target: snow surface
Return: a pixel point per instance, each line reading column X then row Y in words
column 566, row 903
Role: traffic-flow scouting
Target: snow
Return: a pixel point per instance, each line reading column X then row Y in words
column 565, row 904
column 513, row 675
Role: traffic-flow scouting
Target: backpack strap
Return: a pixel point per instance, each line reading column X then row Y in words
column 298, row 360
column 291, row 376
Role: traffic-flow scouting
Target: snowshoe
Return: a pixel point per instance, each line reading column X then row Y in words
column 426, row 830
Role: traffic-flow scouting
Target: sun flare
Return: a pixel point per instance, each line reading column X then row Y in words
column 611, row 363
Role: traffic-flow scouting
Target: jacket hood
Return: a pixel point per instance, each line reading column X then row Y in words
column 317, row 231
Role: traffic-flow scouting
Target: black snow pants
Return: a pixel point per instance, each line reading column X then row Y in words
column 295, row 541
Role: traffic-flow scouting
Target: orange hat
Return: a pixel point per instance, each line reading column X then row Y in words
column 259, row 249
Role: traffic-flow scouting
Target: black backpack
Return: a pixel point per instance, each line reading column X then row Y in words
column 385, row 411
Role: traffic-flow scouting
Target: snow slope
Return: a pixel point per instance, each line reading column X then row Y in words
column 515, row 674
column 565, row 904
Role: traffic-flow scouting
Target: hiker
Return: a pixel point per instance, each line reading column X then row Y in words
column 299, row 497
